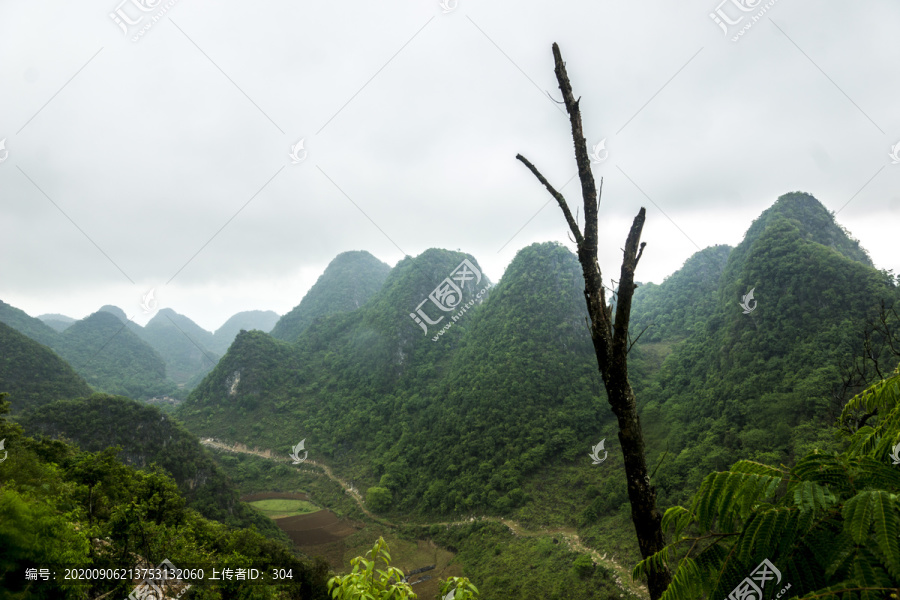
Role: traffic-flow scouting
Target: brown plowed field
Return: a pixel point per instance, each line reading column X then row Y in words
column 322, row 527
column 273, row 496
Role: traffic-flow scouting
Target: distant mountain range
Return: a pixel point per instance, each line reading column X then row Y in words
column 430, row 385
column 168, row 357
column 465, row 419
column 347, row 283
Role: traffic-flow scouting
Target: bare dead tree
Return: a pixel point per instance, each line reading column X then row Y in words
column 611, row 338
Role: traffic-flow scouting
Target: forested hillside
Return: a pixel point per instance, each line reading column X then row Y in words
column 56, row 321
column 503, row 407
column 757, row 369
column 263, row 320
column 167, row 357
column 102, row 350
column 348, row 282
column 147, row 437
column 451, row 425
column 62, row 508
column 682, row 303
column 33, row 374
column 25, row 324
column 184, row 346
column 766, row 385
column 115, row 359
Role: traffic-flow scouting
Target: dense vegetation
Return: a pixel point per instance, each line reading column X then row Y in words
column 827, row 527
column 466, row 423
column 184, row 345
column 765, row 385
column 147, row 437
column 494, row 408
column 102, row 349
column 33, row 374
column 682, row 303
column 63, row 508
column 264, row 320
column 168, row 357
column 348, row 282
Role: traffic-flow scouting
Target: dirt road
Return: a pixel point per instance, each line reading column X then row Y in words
column 623, row 579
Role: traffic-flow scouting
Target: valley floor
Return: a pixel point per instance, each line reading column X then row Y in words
column 623, row 581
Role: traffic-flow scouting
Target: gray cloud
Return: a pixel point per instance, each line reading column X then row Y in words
column 171, row 154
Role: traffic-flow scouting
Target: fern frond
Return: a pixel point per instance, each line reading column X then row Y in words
column 809, row 495
column 655, row 562
column 826, row 469
column 686, row 582
column 883, row 396
column 729, row 497
column 875, row 473
column 868, row 574
column 884, row 515
column 678, row 516
column 858, row 512
column 755, row 468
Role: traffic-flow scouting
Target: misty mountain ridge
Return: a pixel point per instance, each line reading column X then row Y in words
column 814, row 289
column 350, row 279
column 446, row 395
column 56, row 321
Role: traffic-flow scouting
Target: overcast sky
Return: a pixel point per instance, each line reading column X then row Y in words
column 164, row 163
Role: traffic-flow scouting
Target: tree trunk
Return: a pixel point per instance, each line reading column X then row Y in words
column 610, row 337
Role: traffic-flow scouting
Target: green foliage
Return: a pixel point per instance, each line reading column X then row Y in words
column 462, row 588
column 413, row 413
column 378, row 499
column 102, row 349
column 764, row 385
column 681, row 304
column 583, row 565
column 829, row 523
column 114, row 359
column 349, row 281
column 146, row 436
column 524, row 566
column 60, row 507
column 183, row 345
column 367, row 582
column 33, row 374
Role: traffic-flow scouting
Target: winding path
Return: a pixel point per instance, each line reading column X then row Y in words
column 567, row 533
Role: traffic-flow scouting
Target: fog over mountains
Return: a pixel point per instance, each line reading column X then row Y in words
column 442, row 394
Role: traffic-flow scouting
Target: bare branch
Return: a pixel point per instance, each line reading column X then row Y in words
column 588, row 187
column 626, row 281
column 559, row 198
column 599, row 194
column 638, row 337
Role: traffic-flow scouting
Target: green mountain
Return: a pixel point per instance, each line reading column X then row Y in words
column 761, row 379
column 117, row 312
column 56, row 321
column 112, row 358
column 448, row 422
column 443, row 396
column 348, row 282
column 147, row 436
column 683, row 301
column 102, row 349
column 465, row 419
column 263, row 320
column 63, row 506
column 184, row 346
column 28, row 325
column 33, row 374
